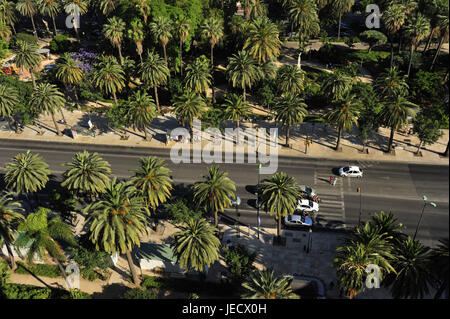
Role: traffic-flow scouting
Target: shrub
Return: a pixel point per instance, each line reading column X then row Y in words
column 40, row 270
column 266, row 95
column 152, row 282
column 180, row 213
column 61, row 44
column 90, row 260
column 5, row 272
column 22, row 37
column 138, row 293
column 239, row 261
column 19, row 291
column 3, row 49
column 426, row 88
column 78, row 294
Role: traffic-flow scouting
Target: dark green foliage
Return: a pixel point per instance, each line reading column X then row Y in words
column 239, row 261
column 3, row 49
column 180, row 212
column 427, row 129
column 153, row 282
column 267, row 93
column 213, row 117
column 89, row 93
column 22, row 37
column 61, row 44
column 64, row 203
column 138, row 293
column 18, row 291
column 426, row 88
column 5, row 272
column 116, row 115
column 40, row 270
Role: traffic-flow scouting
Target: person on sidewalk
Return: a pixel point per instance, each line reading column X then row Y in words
column 331, row 180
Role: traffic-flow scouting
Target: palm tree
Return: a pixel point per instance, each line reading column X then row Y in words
column 40, row 235
column 196, row 245
column 27, row 57
column 29, row 9
column 337, row 84
column 392, row 84
column 109, row 76
column 412, row 264
column 394, row 18
column 344, row 115
column 417, row 29
column 113, row 31
column 46, row 98
column 143, row 6
column 264, row 284
column 152, row 180
column 69, row 72
column 342, row 7
column 290, row 79
column 443, row 24
column 136, row 33
column 214, row 192
column 262, row 40
column 182, row 27
column 303, row 14
column 81, row 5
column 243, row 71
column 235, row 108
column 117, row 221
column 161, row 28
column 27, row 173
column 395, row 115
column 439, row 261
column 189, row 106
column 290, row 110
column 154, row 72
column 87, row 174
column 238, row 27
column 8, row 13
column 279, row 197
column 212, row 29
column 107, row 6
column 387, row 223
column 198, row 76
column 142, row 111
column 10, row 218
column 9, row 98
column 50, row 8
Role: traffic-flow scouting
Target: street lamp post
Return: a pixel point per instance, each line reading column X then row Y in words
column 360, row 204
column 258, row 201
column 421, row 215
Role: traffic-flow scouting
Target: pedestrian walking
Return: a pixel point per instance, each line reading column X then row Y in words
column 331, row 180
column 334, row 181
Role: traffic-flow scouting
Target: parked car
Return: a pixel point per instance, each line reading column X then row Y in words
column 307, row 205
column 298, row 220
column 306, row 190
column 350, row 171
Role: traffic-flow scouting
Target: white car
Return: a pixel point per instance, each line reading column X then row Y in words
column 350, row 171
column 297, row 220
column 307, row 205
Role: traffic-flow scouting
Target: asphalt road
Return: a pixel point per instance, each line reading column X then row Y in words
column 388, row 186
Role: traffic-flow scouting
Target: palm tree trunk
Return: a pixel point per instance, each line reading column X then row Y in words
column 54, row 25
column 132, row 269
column 165, row 54
column 430, row 37
column 34, row 27
column 244, row 94
column 62, row 114
column 418, row 148
column 146, row 134
column 76, row 31
column 120, row 54
column 279, row 227
column 58, row 132
column 392, row 53
column 76, row 97
column 391, row 139
column 216, row 219
column 114, row 97
column 287, row 134
column 181, row 57
column 437, row 53
column 32, row 78
column 339, row 139
column 140, row 56
column 247, row 10
column 212, row 74
column 61, row 269
column 157, row 99
column 11, row 258
column 14, row 29
column 339, row 26
column 410, row 58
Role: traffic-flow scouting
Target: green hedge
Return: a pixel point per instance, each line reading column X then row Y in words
column 19, row 291
column 42, row 270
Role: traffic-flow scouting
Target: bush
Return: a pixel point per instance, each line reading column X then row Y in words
column 138, row 293
column 40, row 270
column 17, row 291
column 180, row 213
column 3, row 49
column 78, row 294
column 239, row 261
column 22, row 37
column 5, row 272
column 426, row 88
column 61, row 44
column 90, row 261
column 266, row 94
column 149, row 282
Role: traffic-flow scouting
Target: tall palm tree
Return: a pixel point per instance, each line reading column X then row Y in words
column 8, row 13
column 153, row 181
column 394, row 18
column 304, row 16
column 40, row 235
column 87, row 174
column 27, row 57
column 117, row 221
column 109, row 76
column 344, row 115
column 143, row 6
column 416, row 29
column 290, row 79
column 214, row 192
column 262, row 40
column 264, row 284
column 27, row 173
column 279, row 196
column 141, row 111
column 10, row 218
column 395, row 115
column 161, row 29
column 108, row 6
column 114, row 31
column 81, row 5
column 182, row 29
column 29, row 9
column 9, row 98
column 196, row 245
column 198, row 75
column 412, row 264
column 69, row 72
column 443, row 24
column 243, row 71
column 440, row 265
column 337, row 84
column 388, row 224
column 136, row 33
column 50, row 8
column 189, row 106
column 212, row 29
column 392, row 83
column 290, row 110
column 342, row 7
column 46, row 98
column 235, row 108
column 154, row 72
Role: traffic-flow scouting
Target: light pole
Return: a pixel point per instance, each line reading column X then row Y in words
column 257, row 200
column 421, row 215
column 360, row 204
